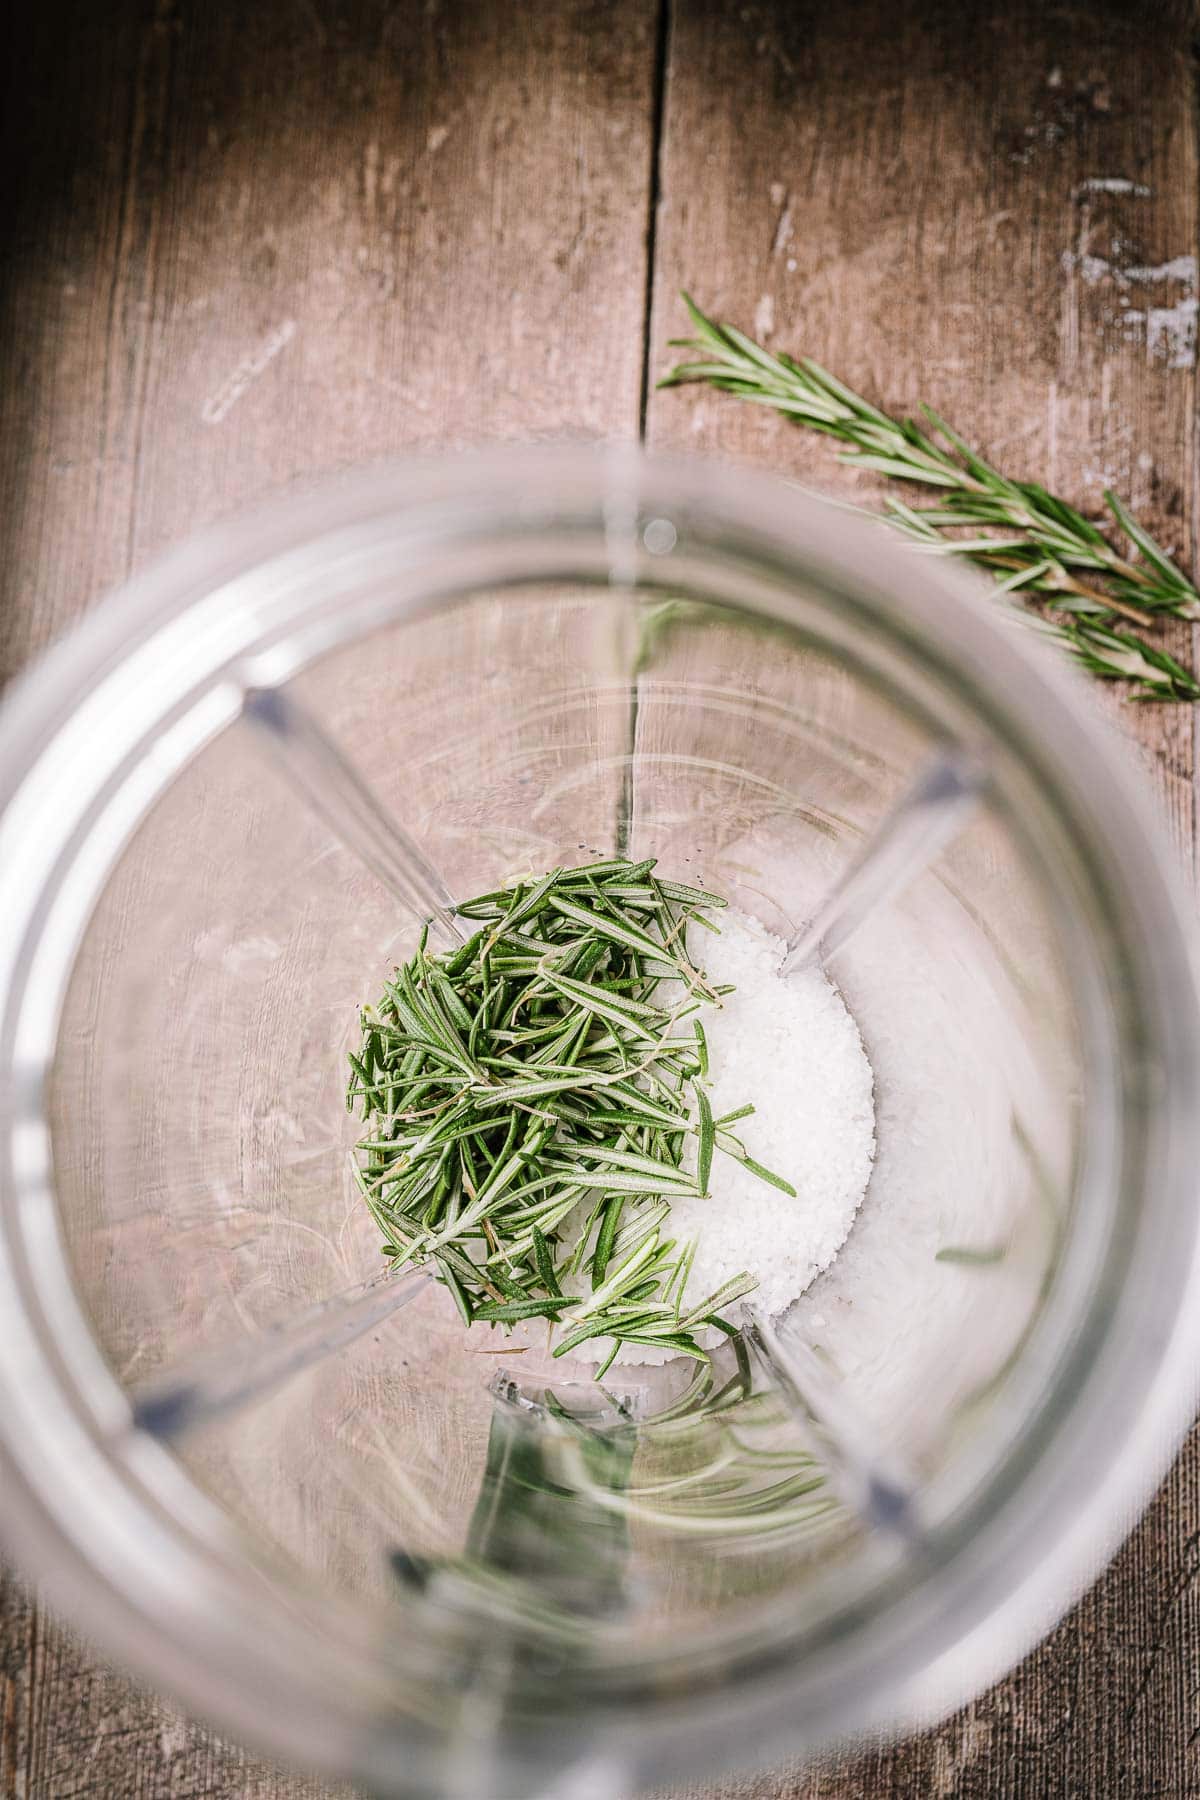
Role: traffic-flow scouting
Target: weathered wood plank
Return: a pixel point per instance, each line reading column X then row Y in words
column 251, row 244
column 18, row 1639
column 993, row 210
column 246, row 245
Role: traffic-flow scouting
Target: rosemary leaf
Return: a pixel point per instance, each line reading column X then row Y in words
column 528, row 1099
column 707, row 1137
column 511, row 1312
column 1101, row 599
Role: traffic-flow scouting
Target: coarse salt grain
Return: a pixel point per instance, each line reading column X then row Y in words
column 788, row 1045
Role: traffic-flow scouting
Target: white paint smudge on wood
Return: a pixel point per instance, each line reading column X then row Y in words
column 222, row 402
column 1112, row 184
column 1095, row 269
column 1170, row 332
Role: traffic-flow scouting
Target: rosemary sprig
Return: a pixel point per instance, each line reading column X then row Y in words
column 528, row 1099
column 1030, row 541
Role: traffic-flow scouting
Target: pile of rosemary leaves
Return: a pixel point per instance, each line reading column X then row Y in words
column 528, row 1100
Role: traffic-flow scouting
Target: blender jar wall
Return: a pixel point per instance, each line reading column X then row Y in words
column 220, row 975
column 233, row 919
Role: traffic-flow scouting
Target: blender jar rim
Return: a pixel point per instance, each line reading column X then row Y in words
column 232, row 601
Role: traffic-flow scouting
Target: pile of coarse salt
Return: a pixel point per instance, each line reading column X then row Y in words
column 787, row 1045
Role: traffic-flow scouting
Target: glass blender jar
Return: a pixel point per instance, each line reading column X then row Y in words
column 287, row 1487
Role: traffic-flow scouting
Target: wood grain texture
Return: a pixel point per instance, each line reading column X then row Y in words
column 247, row 244
column 992, row 209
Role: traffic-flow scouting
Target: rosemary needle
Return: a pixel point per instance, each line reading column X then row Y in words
column 1102, row 599
column 525, row 1101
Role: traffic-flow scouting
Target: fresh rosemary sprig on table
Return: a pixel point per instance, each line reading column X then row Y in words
column 1031, row 542
column 529, row 1098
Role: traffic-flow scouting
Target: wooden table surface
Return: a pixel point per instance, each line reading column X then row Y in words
column 249, row 243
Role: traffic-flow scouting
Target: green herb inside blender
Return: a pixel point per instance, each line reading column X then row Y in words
column 529, row 1098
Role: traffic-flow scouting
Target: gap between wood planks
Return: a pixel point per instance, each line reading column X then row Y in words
column 662, row 53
